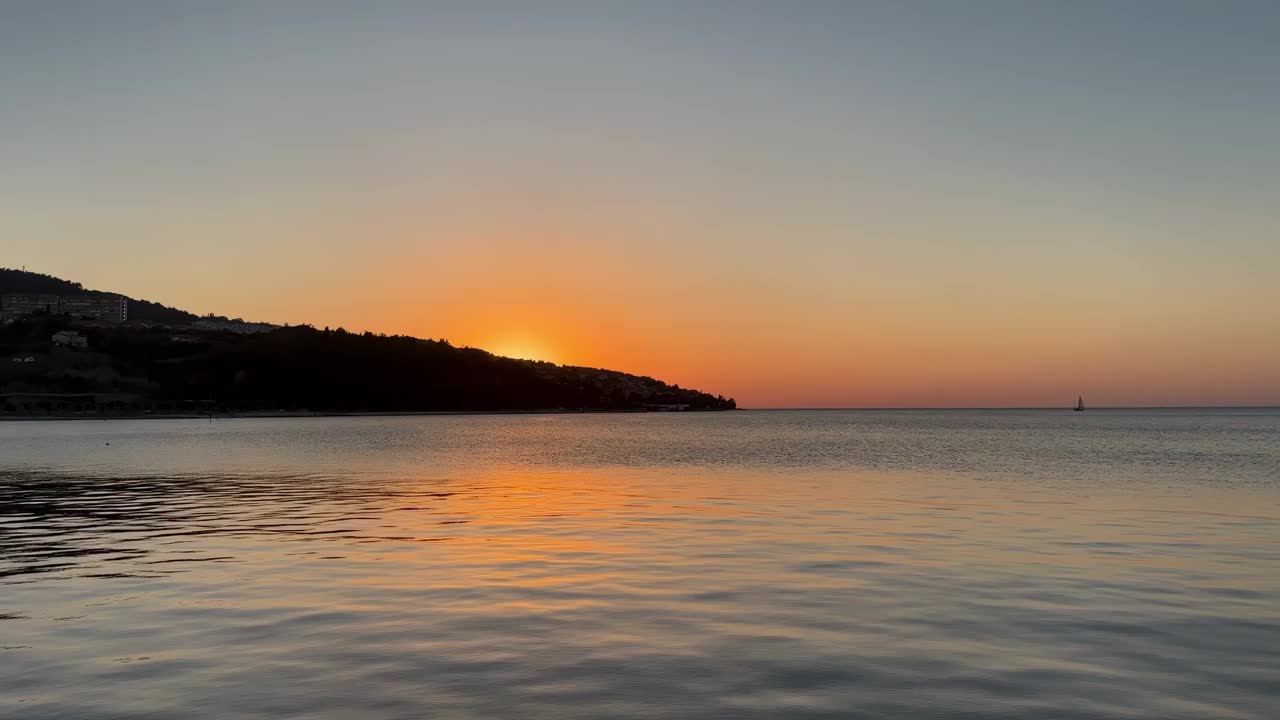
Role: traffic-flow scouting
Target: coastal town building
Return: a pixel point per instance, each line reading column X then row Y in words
column 104, row 307
column 16, row 305
column 70, row 339
column 239, row 327
column 108, row 307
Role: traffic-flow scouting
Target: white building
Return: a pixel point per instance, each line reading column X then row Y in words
column 70, row 339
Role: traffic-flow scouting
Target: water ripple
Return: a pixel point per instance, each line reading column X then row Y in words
column 629, row 588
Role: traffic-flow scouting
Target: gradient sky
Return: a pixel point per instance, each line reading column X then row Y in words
column 795, row 204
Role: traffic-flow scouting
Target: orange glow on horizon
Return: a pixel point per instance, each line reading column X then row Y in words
column 604, row 285
column 521, row 347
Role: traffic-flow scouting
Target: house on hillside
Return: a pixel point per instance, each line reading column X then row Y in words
column 240, row 327
column 70, row 339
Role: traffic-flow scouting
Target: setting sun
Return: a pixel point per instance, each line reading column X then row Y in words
column 521, row 347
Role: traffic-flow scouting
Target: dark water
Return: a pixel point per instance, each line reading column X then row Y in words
column 997, row 564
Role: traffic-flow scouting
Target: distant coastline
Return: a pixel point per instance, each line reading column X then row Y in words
column 326, row 413
column 70, row 352
column 562, row 411
column 1275, row 406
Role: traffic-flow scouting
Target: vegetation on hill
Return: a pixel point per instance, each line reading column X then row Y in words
column 169, row 367
column 22, row 281
column 151, row 312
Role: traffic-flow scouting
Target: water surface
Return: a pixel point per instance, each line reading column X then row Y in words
column 825, row 564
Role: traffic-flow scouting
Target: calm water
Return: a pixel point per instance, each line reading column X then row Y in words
column 985, row 564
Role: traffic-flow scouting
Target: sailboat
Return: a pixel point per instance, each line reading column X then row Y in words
column 1079, row 403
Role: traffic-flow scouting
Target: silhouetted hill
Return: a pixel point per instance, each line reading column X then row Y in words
column 138, row 367
column 22, row 281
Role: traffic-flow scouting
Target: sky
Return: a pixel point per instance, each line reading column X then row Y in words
column 811, row 204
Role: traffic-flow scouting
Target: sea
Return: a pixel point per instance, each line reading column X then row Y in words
column 753, row 564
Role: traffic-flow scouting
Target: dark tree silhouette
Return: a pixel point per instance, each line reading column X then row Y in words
column 162, row 363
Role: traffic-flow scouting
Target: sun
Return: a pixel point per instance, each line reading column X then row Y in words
column 521, row 348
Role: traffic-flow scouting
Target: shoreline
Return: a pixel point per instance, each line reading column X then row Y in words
column 428, row 413
column 319, row 414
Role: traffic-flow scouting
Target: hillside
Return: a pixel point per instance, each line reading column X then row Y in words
column 22, row 281
column 152, row 367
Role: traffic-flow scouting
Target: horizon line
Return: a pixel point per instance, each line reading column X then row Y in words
column 1274, row 406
